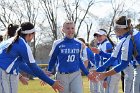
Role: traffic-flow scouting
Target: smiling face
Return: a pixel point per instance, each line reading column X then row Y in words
column 100, row 38
column 69, row 29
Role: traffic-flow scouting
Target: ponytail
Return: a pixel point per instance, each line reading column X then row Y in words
column 18, row 32
column 112, row 43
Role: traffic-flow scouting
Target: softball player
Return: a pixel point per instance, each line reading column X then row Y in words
column 111, row 84
column 126, row 50
column 10, row 33
column 14, row 49
column 89, row 62
column 67, row 52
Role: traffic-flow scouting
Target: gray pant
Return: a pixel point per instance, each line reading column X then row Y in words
column 113, row 82
column 8, row 82
column 136, row 85
column 128, row 79
column 72, row 83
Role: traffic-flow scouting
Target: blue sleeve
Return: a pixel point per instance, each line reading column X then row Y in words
column 106, row 64
column 40, row 74
column 24, row 67
column 26, row 54
column 82, row 67
column 53, row 59
column 97, row 60
column 109, row 48
column 121, row 66
column 103, row 54
column 91, row 56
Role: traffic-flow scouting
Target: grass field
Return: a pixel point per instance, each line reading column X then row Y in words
column 35, row 87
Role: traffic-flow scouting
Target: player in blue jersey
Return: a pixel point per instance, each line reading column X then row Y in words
column 127, row 49
column 11, row 31
column 16, row 50
column 67, row 53
column 111, row 83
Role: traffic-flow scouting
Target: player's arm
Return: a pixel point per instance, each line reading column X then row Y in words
column 25, row 68
column 126, row 57
column 85, row 57
column 27, row 57
column 53, row 57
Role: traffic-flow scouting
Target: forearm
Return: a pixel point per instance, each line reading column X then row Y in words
column 110, row 73
column 121, row 66
column 83, row 68
column 26, row 69
column 40, row 74
column 52, row 63
column 106, row 64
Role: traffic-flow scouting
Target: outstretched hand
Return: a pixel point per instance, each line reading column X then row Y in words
column 102, row 76
column 93, row 76
column 24, row 80
column 57, row 86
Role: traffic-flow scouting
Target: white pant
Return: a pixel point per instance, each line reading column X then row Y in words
column 113, row 82
column 72, row 83
column 94, row 87
column 8, row 82
column 136, row 85
column 128, row 79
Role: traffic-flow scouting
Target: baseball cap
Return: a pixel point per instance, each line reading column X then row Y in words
column 100, row 32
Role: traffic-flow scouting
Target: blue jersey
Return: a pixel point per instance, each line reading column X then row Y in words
column 106, row 47
column 20, row 50
column 123, row 52
column 67, row 52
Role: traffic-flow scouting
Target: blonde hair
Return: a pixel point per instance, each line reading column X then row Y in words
column 68, row 22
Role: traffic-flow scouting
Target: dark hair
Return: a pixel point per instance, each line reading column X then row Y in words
column 81, row 39
column 12, row 29
column 123, row 20
column 24, row 26
column 1, row 38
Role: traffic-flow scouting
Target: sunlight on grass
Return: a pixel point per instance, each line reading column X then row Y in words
column 35, row 87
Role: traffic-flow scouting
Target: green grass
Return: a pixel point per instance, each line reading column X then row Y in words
column 35, row 87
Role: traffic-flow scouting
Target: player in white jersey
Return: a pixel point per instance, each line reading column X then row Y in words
column 127, row 50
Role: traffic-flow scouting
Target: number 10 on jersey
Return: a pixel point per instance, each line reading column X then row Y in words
column 71, row 58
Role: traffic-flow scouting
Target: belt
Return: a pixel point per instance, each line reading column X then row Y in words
column 66, row 72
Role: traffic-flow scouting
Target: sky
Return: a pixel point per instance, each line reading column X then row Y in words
column 101, row 9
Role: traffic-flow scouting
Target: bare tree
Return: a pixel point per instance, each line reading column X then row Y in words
column 89, row 27
column 74, row 14
column 6, row 15
column 50, row 9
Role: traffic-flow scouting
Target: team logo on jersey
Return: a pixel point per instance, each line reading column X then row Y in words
column 61, row 46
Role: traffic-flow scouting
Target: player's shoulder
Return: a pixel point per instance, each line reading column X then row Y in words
column 58, row 41
column 78, row 41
